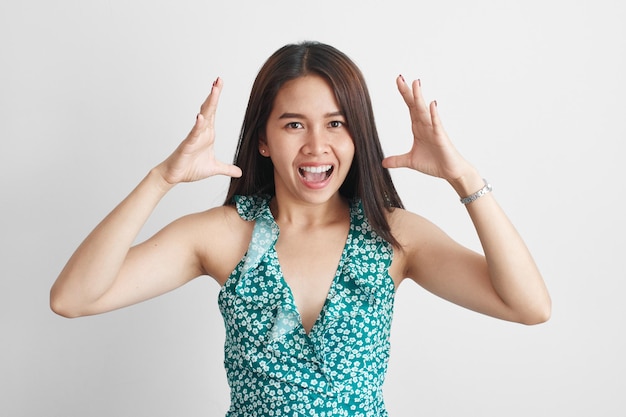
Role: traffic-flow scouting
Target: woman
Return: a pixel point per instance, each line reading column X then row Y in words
column 312, row 240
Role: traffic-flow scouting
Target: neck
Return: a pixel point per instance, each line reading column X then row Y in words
column 305, row 214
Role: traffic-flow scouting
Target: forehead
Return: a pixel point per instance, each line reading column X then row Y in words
column 308, row 93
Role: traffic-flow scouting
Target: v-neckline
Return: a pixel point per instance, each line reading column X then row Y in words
column 331, row 289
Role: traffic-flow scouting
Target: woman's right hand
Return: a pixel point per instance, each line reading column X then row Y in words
column 194, row 159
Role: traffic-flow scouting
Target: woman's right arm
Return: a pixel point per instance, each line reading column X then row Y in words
column 105, row 272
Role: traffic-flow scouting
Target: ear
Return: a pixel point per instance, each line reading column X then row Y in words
column 264, row 150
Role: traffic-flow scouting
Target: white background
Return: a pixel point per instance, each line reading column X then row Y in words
column 95, row 93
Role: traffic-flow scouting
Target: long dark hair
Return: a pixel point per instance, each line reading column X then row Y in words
column 367, row 179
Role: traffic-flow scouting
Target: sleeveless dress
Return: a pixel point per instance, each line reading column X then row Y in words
column 273, row 367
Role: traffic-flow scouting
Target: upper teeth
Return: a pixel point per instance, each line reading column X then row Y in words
column 317, row 169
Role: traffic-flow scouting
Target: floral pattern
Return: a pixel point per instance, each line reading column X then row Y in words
column 274, row 368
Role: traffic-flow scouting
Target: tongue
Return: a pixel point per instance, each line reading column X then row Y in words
column 314, row 176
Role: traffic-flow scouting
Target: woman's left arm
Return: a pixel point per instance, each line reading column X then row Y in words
column 506, row 282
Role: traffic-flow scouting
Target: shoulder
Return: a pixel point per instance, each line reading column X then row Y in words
column 223, row 218
column 409, row 228
column 222, row 237
column 415, row 234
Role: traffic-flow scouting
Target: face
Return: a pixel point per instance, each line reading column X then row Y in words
column 308, row 141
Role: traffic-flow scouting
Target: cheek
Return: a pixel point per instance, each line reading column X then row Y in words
column 346, row 149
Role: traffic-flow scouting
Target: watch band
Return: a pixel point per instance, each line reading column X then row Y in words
column 473, row 197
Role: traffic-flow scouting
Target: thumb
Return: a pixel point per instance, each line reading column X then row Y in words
column 396, row 161
column 228, row 169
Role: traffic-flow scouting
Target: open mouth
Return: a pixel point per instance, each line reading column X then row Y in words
column 316, row 173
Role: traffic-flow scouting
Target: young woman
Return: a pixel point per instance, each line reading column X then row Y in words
column 311, row 242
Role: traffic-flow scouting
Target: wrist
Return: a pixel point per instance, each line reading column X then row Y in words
column 156, row 177
column 467, row 184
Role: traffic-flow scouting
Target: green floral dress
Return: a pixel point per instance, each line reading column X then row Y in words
column 274, row 368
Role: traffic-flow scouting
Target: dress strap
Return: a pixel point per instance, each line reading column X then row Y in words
column 251, row 207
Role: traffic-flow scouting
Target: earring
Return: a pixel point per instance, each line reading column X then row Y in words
column 263, row 151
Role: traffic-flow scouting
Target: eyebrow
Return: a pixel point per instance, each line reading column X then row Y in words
column 301, row 116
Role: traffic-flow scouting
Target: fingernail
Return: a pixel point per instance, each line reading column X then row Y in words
column 435, row 103
column 402, row 78
column 419, row 82
column 216, row 81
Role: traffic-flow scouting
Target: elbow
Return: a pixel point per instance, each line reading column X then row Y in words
column 536, row 319
column 61, row 307
column 62, row 310
column 538, row 315
column 65, row 313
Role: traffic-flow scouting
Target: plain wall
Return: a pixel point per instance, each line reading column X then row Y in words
column 94, row 94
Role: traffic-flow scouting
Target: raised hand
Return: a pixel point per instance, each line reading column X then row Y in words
column 432, row 151
column 194, row 159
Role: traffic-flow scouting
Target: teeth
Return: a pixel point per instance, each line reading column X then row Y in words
column 317, row 170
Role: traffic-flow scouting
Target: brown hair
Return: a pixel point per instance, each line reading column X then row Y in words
column 366, row 179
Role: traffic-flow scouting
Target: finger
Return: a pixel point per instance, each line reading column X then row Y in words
column 421, row 108
column 397, row 161
column 414, row 99
column 209, row 107
column 199, row 126
column 405, row 92
column 434, row 116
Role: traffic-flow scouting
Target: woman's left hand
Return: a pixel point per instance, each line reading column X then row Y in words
column 432, row 152
column 506, row 282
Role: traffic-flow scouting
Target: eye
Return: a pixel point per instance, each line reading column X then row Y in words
column 294, row 125
column 336, row 123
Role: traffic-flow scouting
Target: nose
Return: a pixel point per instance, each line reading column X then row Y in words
column 316, row 142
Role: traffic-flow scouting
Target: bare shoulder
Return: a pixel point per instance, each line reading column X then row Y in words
column 410, row 228
column 222, row 238
column 414, row 234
